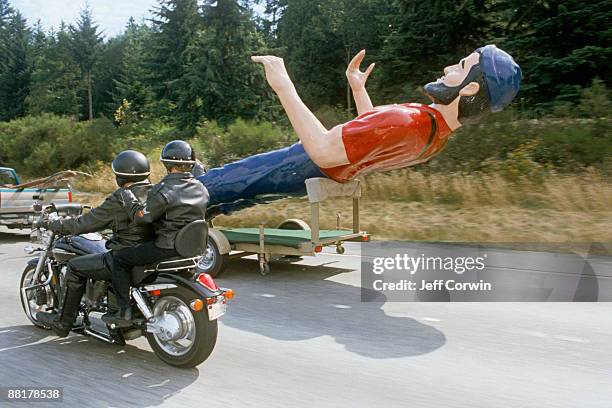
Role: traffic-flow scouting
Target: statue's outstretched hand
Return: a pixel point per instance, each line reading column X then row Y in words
column 356, row 78
column 276, row 73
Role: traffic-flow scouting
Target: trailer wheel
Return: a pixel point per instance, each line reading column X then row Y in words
column 294, row 224
column 213, row 262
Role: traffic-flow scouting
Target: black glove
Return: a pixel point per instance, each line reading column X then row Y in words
column 41, row 224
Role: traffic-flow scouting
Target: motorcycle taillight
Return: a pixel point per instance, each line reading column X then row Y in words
column 207, row 281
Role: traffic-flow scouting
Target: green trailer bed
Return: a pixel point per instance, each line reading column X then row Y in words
column 292, row 237
column 286, row 237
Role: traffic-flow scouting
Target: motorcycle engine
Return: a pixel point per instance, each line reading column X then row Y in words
column 95, row 294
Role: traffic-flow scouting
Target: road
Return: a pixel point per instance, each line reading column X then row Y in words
column 301, row 337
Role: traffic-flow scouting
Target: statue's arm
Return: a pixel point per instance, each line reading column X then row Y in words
column 357, row 81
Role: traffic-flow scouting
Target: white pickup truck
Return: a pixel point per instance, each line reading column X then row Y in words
column 16, row 199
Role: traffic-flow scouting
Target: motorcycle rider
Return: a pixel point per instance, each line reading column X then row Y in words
column 176, row 201
column 131, row 169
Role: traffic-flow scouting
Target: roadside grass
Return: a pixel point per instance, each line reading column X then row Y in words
column 103, row 181
column 410, row 205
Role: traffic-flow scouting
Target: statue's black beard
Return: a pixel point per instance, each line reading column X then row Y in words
column 442, row 94
column 470, row 107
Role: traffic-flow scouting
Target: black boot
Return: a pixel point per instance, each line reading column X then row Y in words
column 53, row 321
column 121, row 318
column 61, row 323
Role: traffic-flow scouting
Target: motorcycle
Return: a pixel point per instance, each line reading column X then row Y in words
column 175, row 305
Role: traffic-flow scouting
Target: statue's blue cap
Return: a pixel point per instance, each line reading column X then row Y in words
column 502, row 74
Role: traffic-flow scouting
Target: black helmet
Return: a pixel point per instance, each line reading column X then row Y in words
column 130, row 166
column 178, row 153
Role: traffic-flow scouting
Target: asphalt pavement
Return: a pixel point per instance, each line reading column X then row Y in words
column 301, row 337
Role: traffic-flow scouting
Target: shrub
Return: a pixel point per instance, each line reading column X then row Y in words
column 45, row 144
column 147, row 135
column 238, row 140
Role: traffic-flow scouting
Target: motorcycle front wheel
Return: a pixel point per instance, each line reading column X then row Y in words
column 32, row 298
column 187, row 337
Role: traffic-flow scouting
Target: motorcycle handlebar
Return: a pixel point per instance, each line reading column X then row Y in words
column 53, row 211
column 71, row 209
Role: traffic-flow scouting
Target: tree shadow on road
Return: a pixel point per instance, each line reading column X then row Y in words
column 92, row 373
column 295, row 302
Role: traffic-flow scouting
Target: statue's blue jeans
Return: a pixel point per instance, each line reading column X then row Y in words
column 258, row 179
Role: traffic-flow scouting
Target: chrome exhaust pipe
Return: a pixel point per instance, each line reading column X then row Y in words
column 98, row 336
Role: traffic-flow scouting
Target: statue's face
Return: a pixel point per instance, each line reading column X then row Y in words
column 447, row 88
column 454, row 75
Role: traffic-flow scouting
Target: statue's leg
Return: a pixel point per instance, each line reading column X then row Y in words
column 325, row 147
column 281, row 172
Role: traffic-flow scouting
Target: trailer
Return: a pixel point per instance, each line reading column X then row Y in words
column 292, row 238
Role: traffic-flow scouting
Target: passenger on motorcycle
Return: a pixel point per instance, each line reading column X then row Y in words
column 176, row 201
column 131, row 170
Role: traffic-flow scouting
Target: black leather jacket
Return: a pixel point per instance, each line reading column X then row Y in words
column 111, row 214
column 176, row 201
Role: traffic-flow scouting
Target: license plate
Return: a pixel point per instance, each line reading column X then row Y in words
column 216, row 310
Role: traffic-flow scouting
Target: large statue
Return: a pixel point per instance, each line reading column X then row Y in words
column 380, row 138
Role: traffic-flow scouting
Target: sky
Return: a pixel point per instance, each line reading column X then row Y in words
column 110, row 15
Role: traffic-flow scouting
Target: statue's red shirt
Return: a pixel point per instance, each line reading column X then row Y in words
column 390, row 137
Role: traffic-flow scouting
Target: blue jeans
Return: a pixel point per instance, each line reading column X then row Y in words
column 259, row 179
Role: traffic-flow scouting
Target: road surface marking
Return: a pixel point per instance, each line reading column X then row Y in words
column 573, row 339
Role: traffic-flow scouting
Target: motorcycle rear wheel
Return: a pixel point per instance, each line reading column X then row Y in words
column 196, row 324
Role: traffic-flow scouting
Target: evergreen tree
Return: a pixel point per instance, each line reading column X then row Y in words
column 15, row 70
column 313, row 54
column 6, row 11
column 107, row 72
column 55, row 77
column 427, row 36
column 175, row 28
column 228, row 85
column 85, row 44
column 358, row 24
column 320, row 37
column 561, row 46
column 274, row 10
column 38, row 40
column 132, row 86
column 192, row 62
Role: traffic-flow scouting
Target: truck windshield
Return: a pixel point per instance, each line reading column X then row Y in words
column 7, row 178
